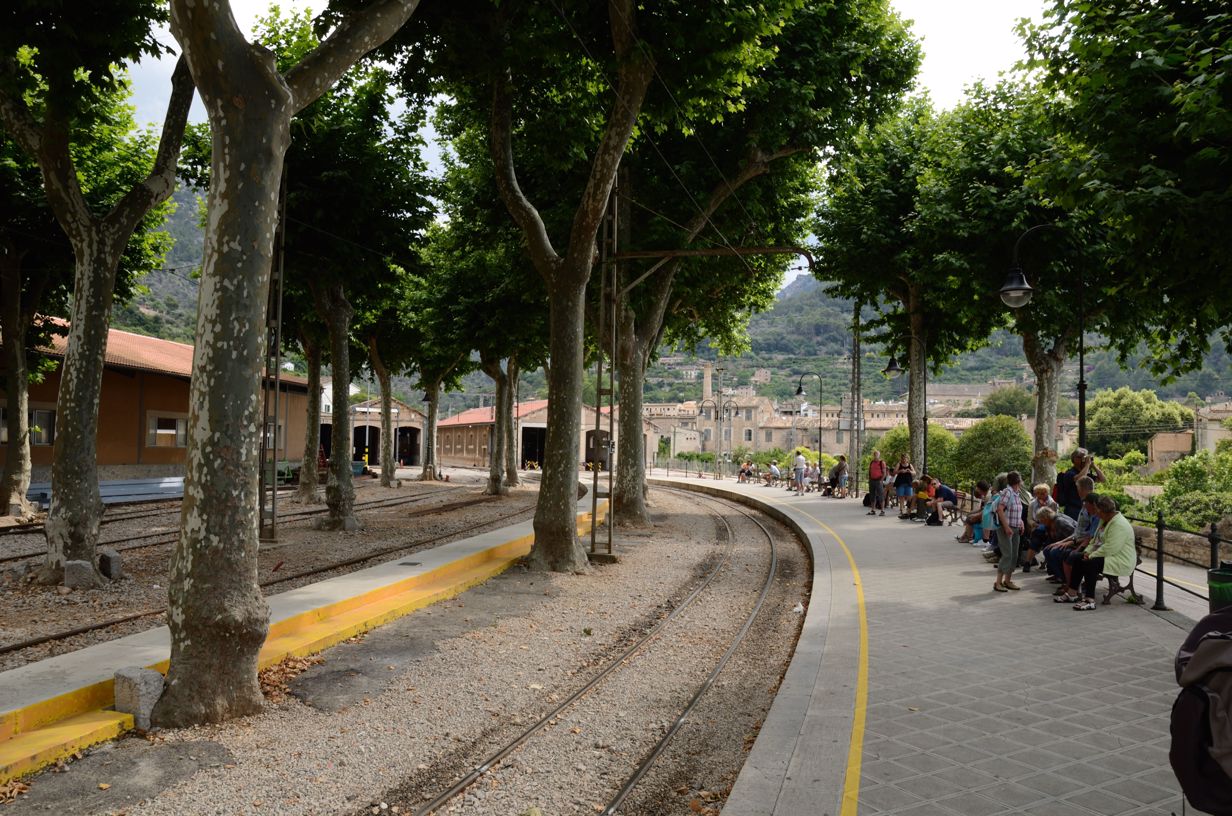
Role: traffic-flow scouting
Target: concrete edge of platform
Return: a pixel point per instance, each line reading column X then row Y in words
column 37, row 735
column 765, row 784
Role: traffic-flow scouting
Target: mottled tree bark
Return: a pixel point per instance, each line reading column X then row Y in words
column 336, row 311
column 17, row 310
column 98, row 242
column 387, row 413
column 216, row 613
column 628, row 489
column 308, row 475
column 430, row 468
column 917, row 388
column 500, row 430
column 556, row 544
column 512, row 444
column 1046, row 364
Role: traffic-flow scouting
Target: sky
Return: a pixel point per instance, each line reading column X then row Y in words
column 963, row 40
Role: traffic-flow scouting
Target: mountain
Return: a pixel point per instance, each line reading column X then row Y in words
column 166, row 303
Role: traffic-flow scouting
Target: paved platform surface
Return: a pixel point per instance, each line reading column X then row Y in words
column 979, row 703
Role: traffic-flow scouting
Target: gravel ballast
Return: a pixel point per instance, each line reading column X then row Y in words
column 487, row 664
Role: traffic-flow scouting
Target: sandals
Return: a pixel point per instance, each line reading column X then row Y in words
column 1011, row 585
column 1087, row 605
column 1066, row 598
column 999, row 588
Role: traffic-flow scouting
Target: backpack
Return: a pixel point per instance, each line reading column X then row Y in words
column 1201, row 752
column 868, row 499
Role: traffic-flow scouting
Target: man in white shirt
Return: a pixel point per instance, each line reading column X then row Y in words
column 801, row 463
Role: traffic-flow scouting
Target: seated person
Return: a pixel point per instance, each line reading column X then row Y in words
column 773, row 475
column 1041, row 497
column 924, row 491
column 1053, row 526
column 1059, row 556
column 973, row 523
column 1111, row 551
column 943, row 498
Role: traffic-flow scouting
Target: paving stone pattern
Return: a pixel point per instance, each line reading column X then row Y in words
column 986, row 703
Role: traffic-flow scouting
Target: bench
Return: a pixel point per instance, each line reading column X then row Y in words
column 119, row 491
column 1115, row 587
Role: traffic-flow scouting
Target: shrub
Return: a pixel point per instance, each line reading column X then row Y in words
column 1194, row 511
column 942, row 446
column 994, row 445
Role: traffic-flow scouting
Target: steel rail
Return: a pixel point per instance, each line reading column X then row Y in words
column 170, row 536
column 650, row 759
column 282, row 579
column 495, row 758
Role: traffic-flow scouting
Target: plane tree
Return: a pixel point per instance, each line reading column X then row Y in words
column 742, row 179
column 217, row 615
column 1142, row 109
column 58, row 66
column 357, row 205
column 878, row 241
column 586, row 67
column 493, row 294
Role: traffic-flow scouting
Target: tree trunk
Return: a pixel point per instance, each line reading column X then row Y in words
column 217, row 614
column 512, row 443
column 308, row 475
column 430, row 466
column 13, row 328
column 498, row 439
column 917, row 393
column 556, row 542
column 1046, row 365
column 340, row 484
column 387, row 414
column 76, row 507
column 629, row 490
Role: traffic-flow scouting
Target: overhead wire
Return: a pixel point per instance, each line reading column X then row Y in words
column 651, row 141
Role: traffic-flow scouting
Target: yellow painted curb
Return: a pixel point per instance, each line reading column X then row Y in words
column 27, row 753
column 41, row 733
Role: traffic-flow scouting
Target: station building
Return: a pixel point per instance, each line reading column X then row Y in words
column 408, row 425
column 143, row 410
column 462, row 440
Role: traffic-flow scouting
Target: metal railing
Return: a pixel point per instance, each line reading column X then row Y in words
column 1214, row 541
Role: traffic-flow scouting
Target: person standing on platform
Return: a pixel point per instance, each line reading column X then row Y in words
column 1009, row 532
column 800, row 465
column 877, row 473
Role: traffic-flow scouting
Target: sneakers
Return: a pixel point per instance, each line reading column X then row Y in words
column 1087, row 605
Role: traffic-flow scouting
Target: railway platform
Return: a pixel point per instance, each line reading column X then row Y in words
column 916, row 689
column 52, row 708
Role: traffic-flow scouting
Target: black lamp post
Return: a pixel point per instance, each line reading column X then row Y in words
column 1016, row 293
column 718, row 425
column 801, row 393
column 893, row 371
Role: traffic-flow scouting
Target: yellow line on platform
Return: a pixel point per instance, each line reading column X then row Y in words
column 39, row 734
column 855, row 748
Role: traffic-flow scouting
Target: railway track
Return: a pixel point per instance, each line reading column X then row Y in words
column 494, row 759
column 281, row 579
column 169, row 537
column 111, row 518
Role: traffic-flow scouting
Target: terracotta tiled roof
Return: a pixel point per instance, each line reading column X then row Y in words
column 483, row 416
column 141, row 353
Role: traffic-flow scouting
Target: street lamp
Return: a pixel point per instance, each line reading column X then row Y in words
column 800, row 393
column 718, row 423
column 893, row 370
column 1016, row 293
column 725, row 407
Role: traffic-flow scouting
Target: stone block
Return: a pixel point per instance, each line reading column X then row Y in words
column 110, row 563
column 136, row 692
column 80, row 575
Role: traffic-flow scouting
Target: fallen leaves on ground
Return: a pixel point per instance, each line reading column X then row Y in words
column 9, row 791
column 276, row 680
